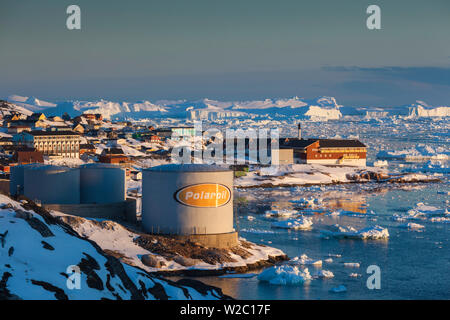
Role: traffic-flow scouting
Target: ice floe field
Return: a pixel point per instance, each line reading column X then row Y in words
column 332, row 242
column 333, row 232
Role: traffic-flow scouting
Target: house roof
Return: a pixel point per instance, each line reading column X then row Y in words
column 19, row 126
column 339, row 143
column 323, row 143
column 29, row 121
column 296, row 143
column 112, row 151
column 87, row 146
column 53, row 133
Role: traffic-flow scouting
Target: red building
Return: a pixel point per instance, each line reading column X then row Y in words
column 114, row 156
column 154, row 139
column 87, row 148
column 27, row 155
column 326, row 151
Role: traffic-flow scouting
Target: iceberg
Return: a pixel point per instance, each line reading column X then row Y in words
column 352, row 264
column 305, row 260
column 417, row 110
column 323, row 274
column 307, row 202
column 285, row 275
column 421, row 212
column 419, row 152
column 295, row 224
column 412, row 226
column 280, row 213
column 373, row 233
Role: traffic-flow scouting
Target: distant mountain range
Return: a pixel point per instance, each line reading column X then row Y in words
column 322, row 108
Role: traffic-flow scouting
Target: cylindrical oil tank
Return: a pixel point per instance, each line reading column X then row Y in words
column 187, row 199
column 16, row 182
column 102, row 183
column 52, row 184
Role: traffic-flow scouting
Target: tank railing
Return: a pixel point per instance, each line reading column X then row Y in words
column 156, row 229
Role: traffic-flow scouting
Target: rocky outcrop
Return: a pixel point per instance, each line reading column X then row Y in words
column 152, row 260
column 39, row 267
column 367, row 176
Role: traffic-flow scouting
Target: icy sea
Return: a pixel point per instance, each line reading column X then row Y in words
column 414, row 260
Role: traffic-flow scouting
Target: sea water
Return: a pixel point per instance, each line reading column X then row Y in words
column 413, row 264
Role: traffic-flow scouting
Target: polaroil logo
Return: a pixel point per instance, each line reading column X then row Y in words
column 204, row 195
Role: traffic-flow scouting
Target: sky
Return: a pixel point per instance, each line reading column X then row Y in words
column 227, row 50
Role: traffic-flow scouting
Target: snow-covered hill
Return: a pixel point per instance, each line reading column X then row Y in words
column 7, row 108
column 30, row 103
column 108, row 109
column 38, row 254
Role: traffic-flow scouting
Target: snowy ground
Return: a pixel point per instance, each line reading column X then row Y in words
column 310, row 174
column 113, row 237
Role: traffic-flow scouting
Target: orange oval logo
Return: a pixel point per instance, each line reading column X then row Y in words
column 204, row 195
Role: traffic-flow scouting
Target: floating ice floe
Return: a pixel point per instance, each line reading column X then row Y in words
column 258, row 231
column 285, row 275
column 352, row 264
column 340, row 212
column 296, row 224
column 280, row 213
column 422, row 212
column 412, row 226
column 323, row 274
column 434, row 166
column 339, row 289
column 440, row 219
column 375, row 232
column 329, row 260
column 305, row 260
column 419, row 152
column 335, row 213
column 307, row 202
column 354, row 275
column 380, row 163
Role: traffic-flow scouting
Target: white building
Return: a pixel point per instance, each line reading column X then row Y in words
column 51, row 143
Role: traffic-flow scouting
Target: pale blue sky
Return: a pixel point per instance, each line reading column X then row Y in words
column 247, row 49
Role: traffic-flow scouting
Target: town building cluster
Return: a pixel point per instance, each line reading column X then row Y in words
column 35, row 138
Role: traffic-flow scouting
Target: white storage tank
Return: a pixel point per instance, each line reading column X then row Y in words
column 16, row 182
column 52, row 184
column 102, row 183
column 187, row 199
